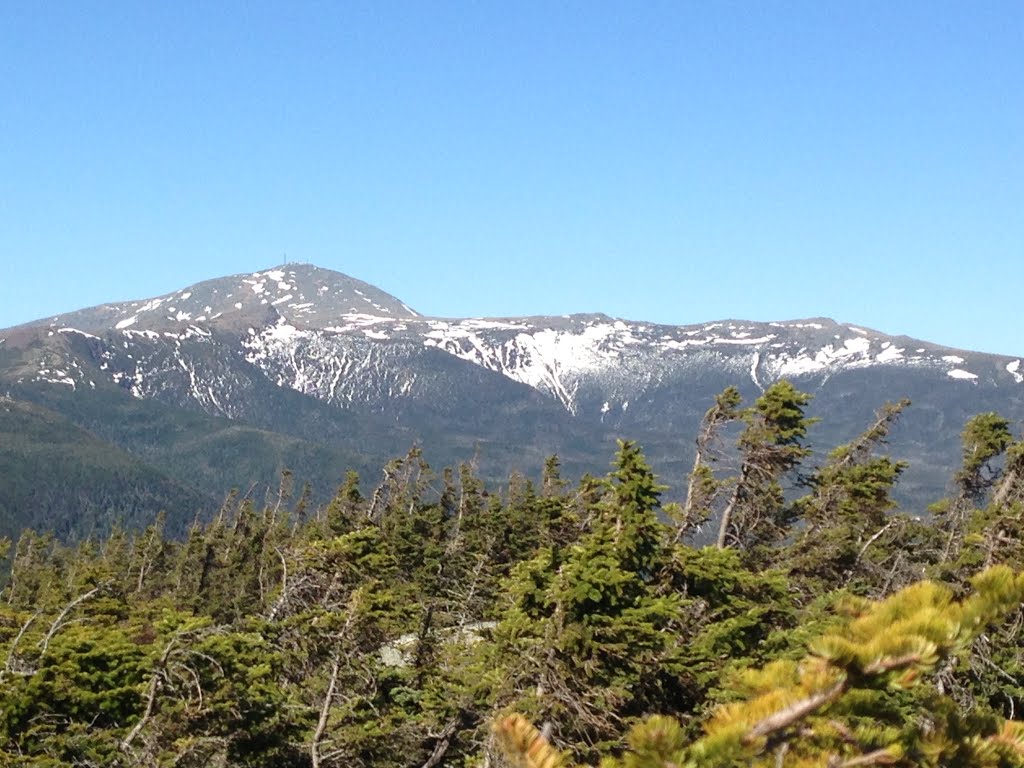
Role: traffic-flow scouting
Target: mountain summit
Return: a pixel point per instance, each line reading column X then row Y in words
column 321, row 371
column 303, row 294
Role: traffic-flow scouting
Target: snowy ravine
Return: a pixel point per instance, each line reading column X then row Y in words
column 564, row 357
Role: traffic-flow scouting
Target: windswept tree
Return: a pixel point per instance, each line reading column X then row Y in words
column 985, row 438
column 703, row 487
column 848, row 530
column 587, row 642
column 770, row 447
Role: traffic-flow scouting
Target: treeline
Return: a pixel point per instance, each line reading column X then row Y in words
column 396, row 625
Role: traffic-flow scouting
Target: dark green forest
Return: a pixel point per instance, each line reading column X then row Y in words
column 783, row 613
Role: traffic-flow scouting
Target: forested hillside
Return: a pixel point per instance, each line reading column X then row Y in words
column 425, row 618
column 224, row 382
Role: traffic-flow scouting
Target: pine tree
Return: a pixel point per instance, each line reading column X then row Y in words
column 771, row 446
column 587, row 640
column 347, row 508
column 703, row 488
column 848, row 532
column 985, row 438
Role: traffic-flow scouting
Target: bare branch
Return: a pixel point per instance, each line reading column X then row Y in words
column 878, row 757
column 444, row 740
column 860, row 555
column 154, row 686
column 795, row 712
column 17, row 639
column 888, row 665
column 325, row 711
column 279, row 604
column 45, row 642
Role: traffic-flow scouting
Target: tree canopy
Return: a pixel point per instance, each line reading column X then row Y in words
column 431, row 619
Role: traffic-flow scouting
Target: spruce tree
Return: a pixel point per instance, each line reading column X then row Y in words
column 770, row 447
column 587, row 641
column 848, row 533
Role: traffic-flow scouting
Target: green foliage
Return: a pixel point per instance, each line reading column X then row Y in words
column 849, row 537
column 984, row 437
column 731, row 617
column 770, row 446
column 391, row 625
column 813, row 712
column 593, row 625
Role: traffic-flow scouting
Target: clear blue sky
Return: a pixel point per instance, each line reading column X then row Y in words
column 670, row 161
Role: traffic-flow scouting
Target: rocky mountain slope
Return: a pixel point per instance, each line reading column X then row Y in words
column 325, row 371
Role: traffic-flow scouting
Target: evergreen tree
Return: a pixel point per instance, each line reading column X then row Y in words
column 770, row 446
column 587, row 641
column 348, row 506
column 985, row 438
column 703, row 488
column 848, row 703
column 849, row 534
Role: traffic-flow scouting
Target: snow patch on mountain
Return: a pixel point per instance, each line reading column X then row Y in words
column 547, row 359
column 1013, row 368
column 742, row 340
column 890, row 353
column 356, row 321
column 959, row 373
column 57, row 376
column 853, row 353
column 80, row 333
column 335, row 365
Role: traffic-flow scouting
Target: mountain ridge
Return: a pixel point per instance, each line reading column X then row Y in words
column 314, row 354
column 345, row 305
column 322, row 277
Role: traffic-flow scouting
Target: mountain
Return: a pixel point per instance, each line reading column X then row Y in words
column 227, row 381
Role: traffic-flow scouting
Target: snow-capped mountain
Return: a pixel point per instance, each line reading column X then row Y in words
column 319, row 355
column 316, row 331
column 305, row 295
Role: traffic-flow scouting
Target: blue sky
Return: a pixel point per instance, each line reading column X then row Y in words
column 669, row 161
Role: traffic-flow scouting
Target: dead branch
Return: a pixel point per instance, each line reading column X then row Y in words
column 45, row 642
column 444, row 740
column 279, row 603
column 154, row 686
column 325, row 711
column 878, row 757
column 17, row 639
